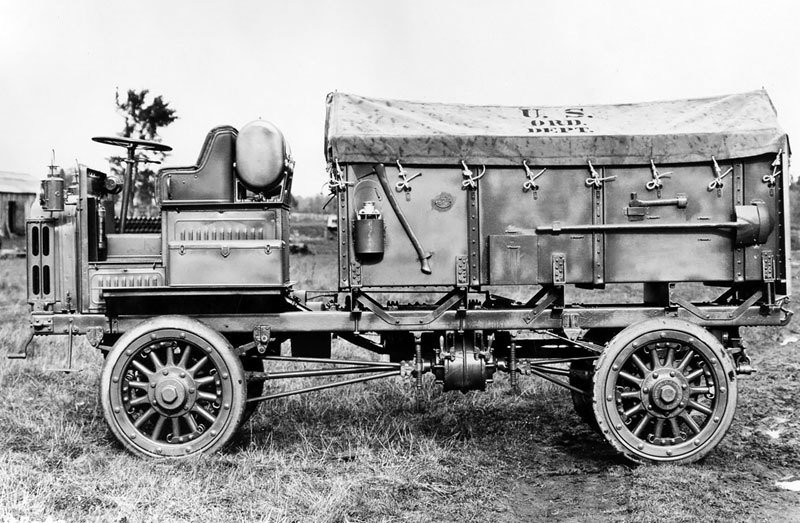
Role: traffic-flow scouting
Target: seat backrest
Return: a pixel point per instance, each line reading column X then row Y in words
column 212, row 179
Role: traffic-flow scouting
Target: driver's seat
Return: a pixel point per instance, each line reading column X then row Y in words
column 212, row 179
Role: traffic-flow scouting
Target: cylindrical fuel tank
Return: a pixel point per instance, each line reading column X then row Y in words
column 261, row 156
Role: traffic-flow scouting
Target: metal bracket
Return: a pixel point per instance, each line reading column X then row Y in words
column 749, row 302
column 355, row 274
column 570, row 320
column 570, row 324
column 767, row 266
column 261, row 337
column 559, row 262
column 42, row 324
column 768, row 276
column 443, row 305
column 543, row 299
column 462, row 270
column 689, row 306
column 94, row 335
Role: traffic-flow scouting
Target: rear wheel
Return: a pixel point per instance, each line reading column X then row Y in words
column 173, row 387
column 580, row 376
column 664, row 391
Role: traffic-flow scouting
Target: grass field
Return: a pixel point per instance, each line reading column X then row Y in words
column 369, row 453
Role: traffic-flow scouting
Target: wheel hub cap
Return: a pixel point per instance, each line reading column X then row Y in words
column 664, row 392
column 172, row 391
column 169, row 394
column 668, row 393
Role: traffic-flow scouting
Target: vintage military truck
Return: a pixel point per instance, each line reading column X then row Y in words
column 465, row 234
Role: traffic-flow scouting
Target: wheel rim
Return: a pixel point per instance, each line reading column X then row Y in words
column 667, row 396
column 171, row 393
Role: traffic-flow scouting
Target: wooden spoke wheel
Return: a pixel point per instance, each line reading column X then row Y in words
column 664, row 391
column 173, row 387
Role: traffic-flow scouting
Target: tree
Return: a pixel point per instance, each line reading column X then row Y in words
column 143, row 120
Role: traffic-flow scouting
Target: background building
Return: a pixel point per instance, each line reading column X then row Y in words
column 17, row 191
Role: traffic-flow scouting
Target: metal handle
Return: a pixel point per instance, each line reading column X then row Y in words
column 680, row 200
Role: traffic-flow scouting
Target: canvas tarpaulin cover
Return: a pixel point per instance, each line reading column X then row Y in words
column 363, row 130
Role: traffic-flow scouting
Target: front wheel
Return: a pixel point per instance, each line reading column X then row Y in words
column 173, row 387
column 664, row 391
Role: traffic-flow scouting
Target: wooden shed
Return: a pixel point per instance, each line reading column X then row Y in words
column 17, row 191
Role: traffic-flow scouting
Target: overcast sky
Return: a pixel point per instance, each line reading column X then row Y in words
column 221, row 62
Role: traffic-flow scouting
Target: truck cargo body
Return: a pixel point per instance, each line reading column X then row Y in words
column 677, row 210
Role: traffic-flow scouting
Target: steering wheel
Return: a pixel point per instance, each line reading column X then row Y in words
column 132, row 143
